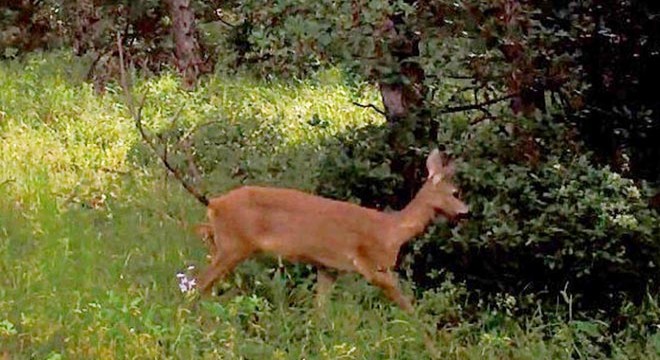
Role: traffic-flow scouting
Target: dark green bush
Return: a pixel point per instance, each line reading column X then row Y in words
column 544, row 218
column 357, row 168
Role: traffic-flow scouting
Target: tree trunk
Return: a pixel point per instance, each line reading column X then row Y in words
column 187, row 48
column 403, row 95
column 83, row 32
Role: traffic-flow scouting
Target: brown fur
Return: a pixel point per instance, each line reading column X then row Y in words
column 305, row 228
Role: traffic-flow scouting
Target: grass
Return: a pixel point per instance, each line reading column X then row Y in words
column 92, row 233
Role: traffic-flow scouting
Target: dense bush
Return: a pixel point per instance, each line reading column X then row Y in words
column 28, row 26
column 621, row 116
column 544, row 219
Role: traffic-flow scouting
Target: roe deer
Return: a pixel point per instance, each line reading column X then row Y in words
column 305, row 228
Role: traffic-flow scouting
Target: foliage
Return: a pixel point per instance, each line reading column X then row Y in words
column 90, row 29
column 559, row 223
column 359, row 169
column 27, row 26
column 621, row 117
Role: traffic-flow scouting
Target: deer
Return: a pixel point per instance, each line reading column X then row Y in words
column 301, row 227
column 327, row 233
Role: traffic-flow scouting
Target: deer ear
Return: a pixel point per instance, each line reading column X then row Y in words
column 434, row 163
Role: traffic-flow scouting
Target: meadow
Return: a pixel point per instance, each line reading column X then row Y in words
column 93, row 232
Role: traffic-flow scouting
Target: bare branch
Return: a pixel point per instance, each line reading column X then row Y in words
column 370, row 106
column 192, row 167
column 225, row 22
column 137, row 117
column 485, row 116
column 478, row 106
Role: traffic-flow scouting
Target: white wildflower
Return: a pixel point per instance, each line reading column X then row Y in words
column 186, row 283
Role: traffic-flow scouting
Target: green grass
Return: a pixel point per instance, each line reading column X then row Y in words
column 92, row 232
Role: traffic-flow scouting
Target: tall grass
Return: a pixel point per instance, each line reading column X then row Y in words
column 92, row 233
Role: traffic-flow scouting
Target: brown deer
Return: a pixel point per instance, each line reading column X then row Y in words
column 331, row 234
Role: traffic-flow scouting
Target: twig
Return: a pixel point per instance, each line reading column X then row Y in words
column 370, row 106
column 136, row 114
column 113, row 171
column 225, row 22
column 459, row 77
column 486, row 116
column 192, row 168
column 478, row 106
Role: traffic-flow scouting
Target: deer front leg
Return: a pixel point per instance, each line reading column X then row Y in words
column 386, row 280
column 324, row 282
column 390, row 285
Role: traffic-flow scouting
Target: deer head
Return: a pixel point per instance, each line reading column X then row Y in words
column 439, row 192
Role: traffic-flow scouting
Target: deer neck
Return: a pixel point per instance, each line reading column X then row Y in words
column 414, row 218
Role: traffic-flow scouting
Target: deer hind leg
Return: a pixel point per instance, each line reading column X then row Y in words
column 385, row 280
column 217, row 270
column 324, row 282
